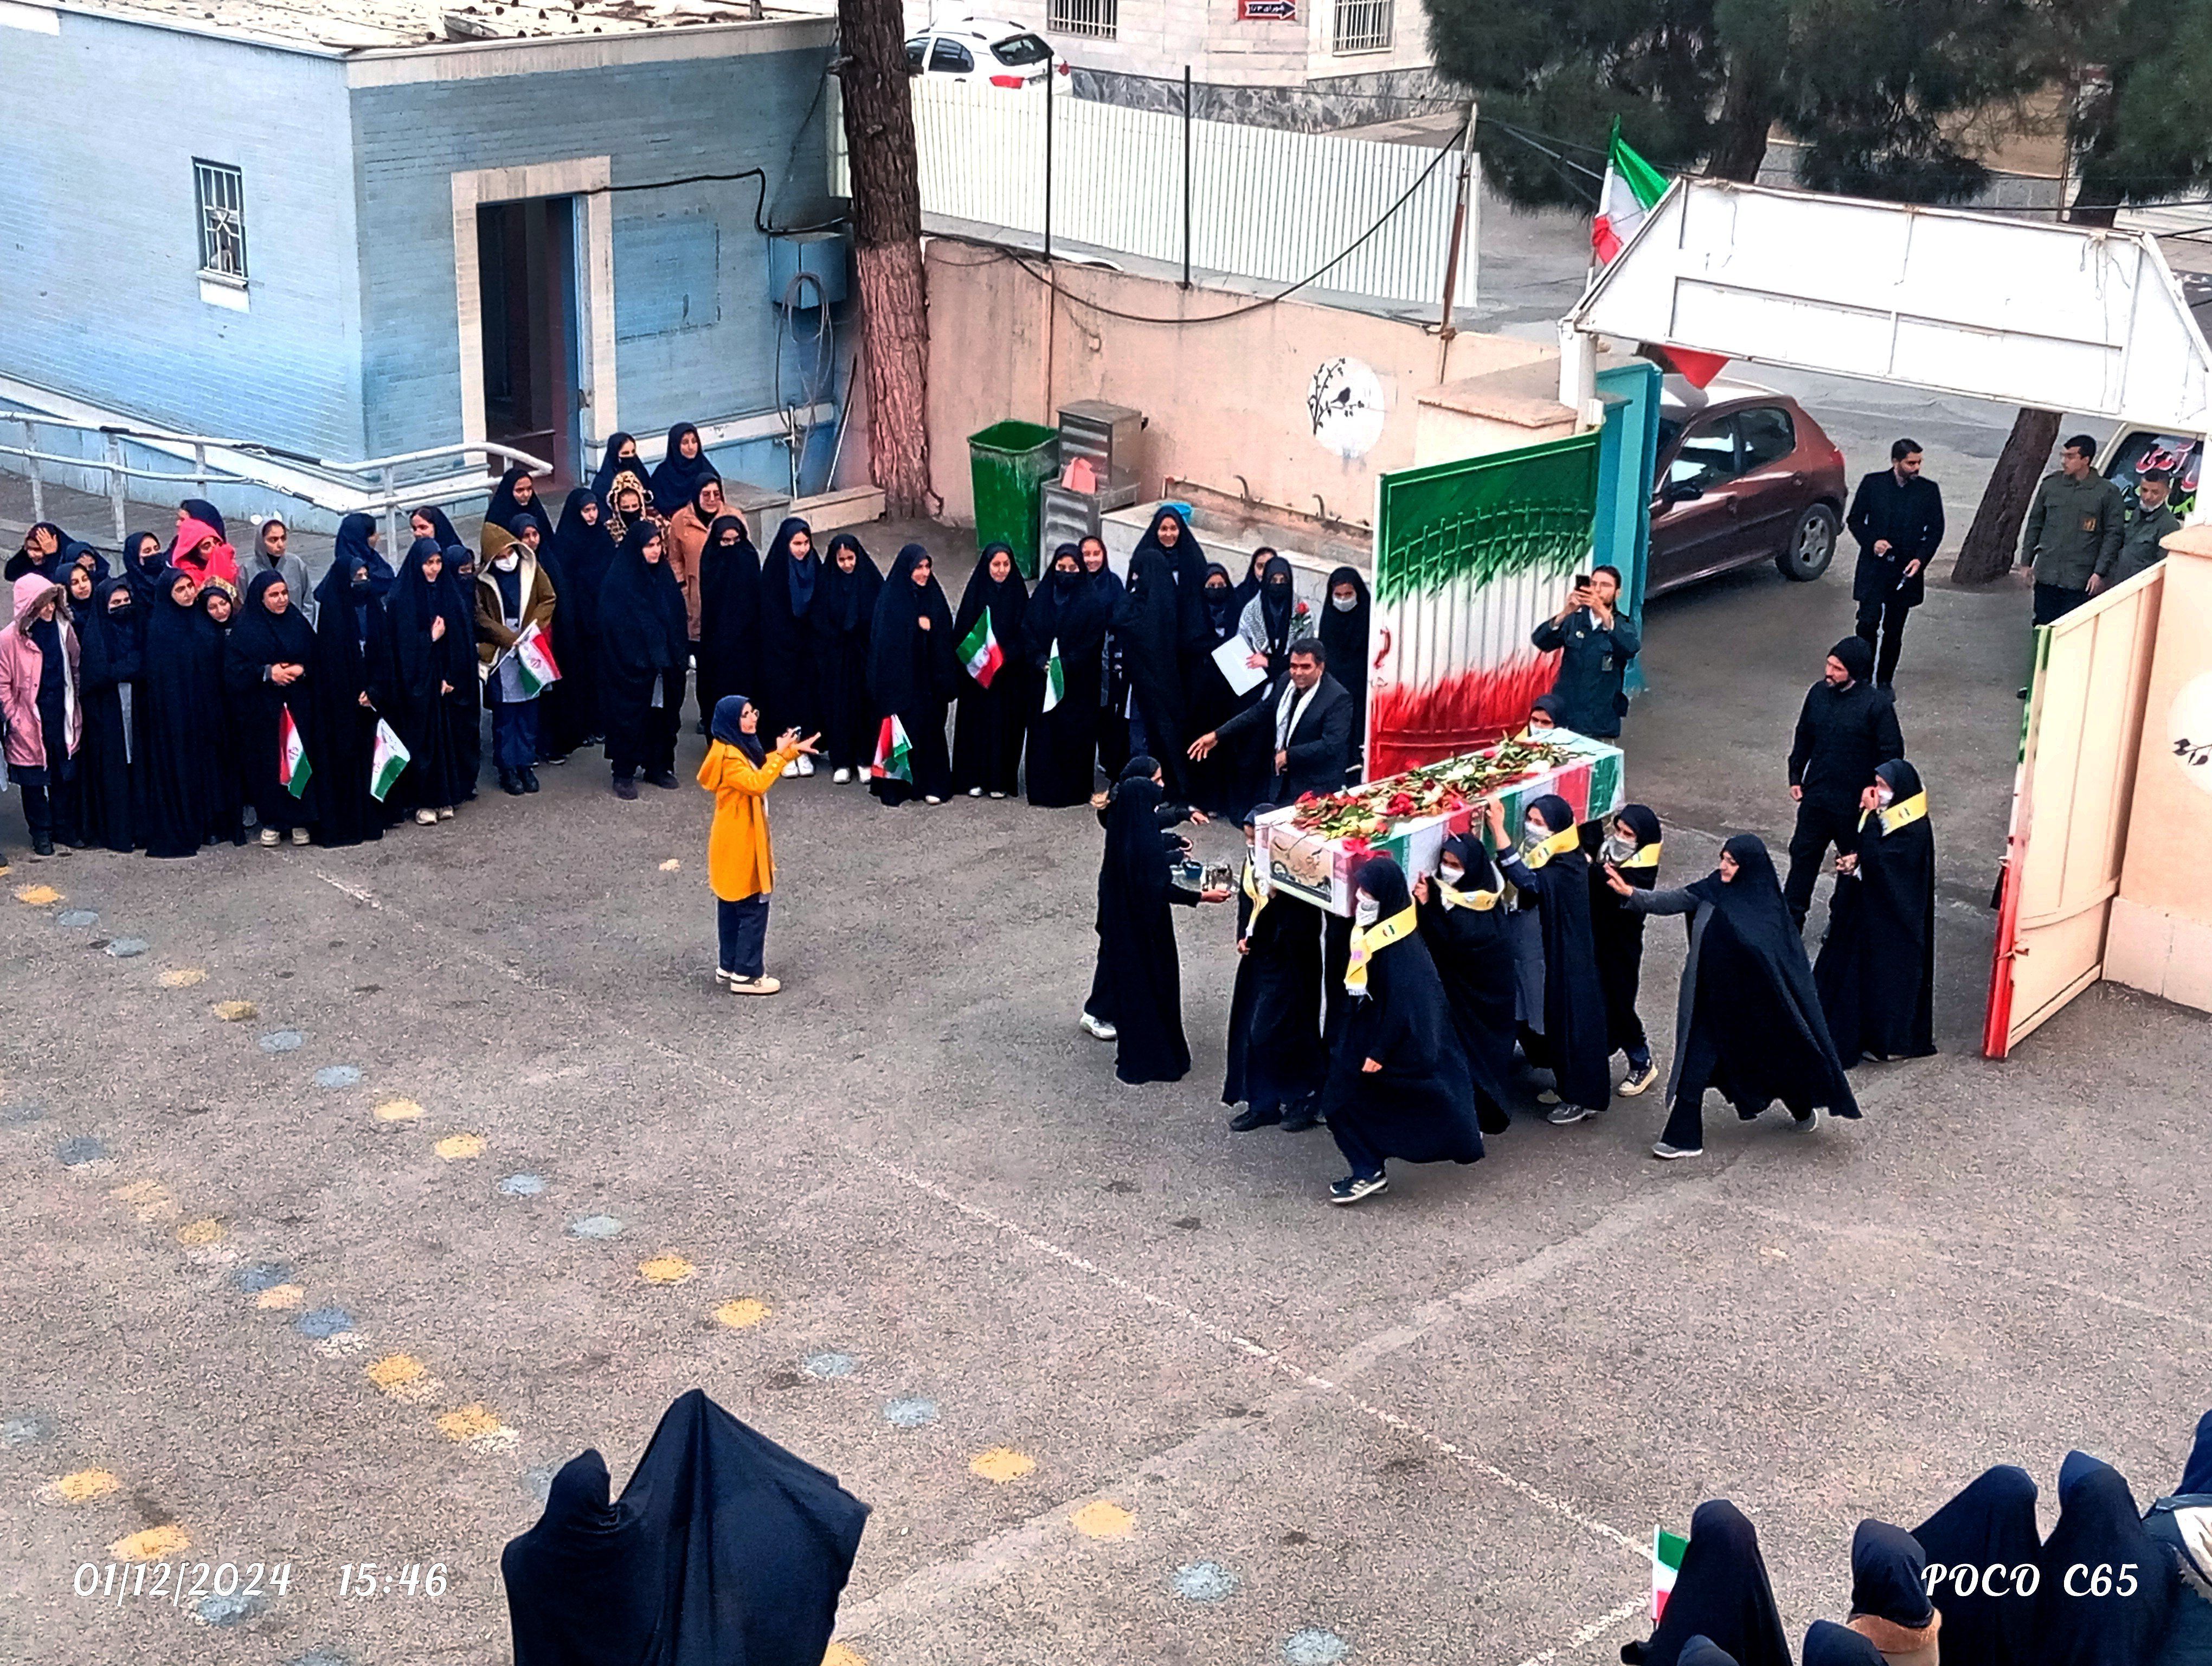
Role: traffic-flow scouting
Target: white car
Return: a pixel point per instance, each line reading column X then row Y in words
column 982, row 52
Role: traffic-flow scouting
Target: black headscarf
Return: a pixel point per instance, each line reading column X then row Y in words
column 728, row 727
column 343, row 604
column 2197, row 1473
column 108, row 643
column 1008, row 600
column 1249, row 586
column 1827, row 1643
column 1764, row 1012
column 180, row 720
column 1220, row 604
column 1991, row 1523
column 262, row 638
column 441, row 524
column 1072, row 608
column 1186, row 565
column 504, row 507
column 675, row 480
column 1145, row 622
column 581, row 556
column 644, row 629
column 2098, row 1526
column 1888, row 1576
column 419, row 662
column 846, row 602
column 1474, row 959
column 143, row 568
column 353, row 544
column 909, row 668
column 1574, row 1026
column 1345, row 635
column 201, row 510
column 612, row 464
column 23, row 562
column 1278, row 599
column 1876, row 972
column 1550, row 705
column 788, row 577
column 1720, row 1592
column 724, row 1547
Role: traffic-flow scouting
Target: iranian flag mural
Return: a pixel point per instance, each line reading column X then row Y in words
column 1471, row 556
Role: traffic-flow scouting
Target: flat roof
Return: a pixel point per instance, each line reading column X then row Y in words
column 345, row 26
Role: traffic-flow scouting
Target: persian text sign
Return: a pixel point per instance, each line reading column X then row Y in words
column 1267, row 11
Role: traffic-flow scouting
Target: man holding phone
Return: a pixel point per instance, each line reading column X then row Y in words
column 1594, row 645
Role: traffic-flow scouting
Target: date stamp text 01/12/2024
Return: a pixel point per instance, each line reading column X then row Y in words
column 179, row 1583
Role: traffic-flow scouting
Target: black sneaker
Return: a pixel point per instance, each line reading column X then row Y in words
column 1354, row 1187
column 625, row 788
column 665, row 778
column 529, row 780
column 1306, row 1114
column 1245, row 1121
column 41, row 845
column 510, row 783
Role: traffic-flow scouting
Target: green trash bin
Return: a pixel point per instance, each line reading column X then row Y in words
column 1008, row 462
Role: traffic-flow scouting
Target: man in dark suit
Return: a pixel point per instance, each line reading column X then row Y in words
column 1308, row 717
column 1897, row 516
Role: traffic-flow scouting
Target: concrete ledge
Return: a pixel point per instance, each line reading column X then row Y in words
column 2162, row 954
column 829, row 512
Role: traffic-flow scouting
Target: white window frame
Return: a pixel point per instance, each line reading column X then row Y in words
column 1091, row 19
column 1360, row 26
column 219, row 204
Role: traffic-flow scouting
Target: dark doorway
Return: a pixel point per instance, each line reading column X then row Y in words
column 527, row 267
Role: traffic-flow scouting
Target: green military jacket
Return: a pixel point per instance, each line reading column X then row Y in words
column 2139, row 541
column 2073, row 529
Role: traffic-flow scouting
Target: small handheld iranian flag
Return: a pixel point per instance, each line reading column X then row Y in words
column 980, row 653
column 534, row 662
column 1667, row 1550
column 1055, row 678
column 388, row 762
column 893, row 754
column 292, row 766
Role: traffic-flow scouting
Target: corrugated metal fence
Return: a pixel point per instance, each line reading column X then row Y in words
column 1263, row 203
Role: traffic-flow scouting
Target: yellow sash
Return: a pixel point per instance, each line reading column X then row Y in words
column 1914, row 809
column 1258, row 897
column 1366, row 945
column 1647, row 855
column 1468, row 899
column 1557, row 845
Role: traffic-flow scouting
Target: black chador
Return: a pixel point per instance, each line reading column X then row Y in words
column 991, row 721
column 1876, row 973
column 1138, row 984
column 180, row 710
column 1067, row 623
column 417, row 667
column 1463, row 922
column 1553, row 872
column 1628, row 842
column 1275, row 1058
column 107, row 681
column 729, row 613
column 1144, row 622
column 911, row 674
column 843, row 614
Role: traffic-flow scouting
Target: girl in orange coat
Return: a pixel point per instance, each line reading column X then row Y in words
column 739, row 771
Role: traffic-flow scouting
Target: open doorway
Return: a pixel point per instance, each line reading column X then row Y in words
column 527, row 273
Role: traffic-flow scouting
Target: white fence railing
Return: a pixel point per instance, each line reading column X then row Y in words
column 1261, row 203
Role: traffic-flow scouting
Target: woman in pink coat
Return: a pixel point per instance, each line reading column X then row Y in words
column 39, row 701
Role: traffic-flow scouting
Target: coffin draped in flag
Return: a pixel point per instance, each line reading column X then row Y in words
column 293, row 766
column 893, row 753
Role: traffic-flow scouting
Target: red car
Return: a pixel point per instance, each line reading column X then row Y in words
column 1744, row 476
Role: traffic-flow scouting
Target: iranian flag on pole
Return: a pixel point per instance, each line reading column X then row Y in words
column 388, row 762
column 534, row 661
column 1632, row 188
column 893, row 754
column 980, row 652
column 292, row 766
column 1667, row 1550
column 1055, row 678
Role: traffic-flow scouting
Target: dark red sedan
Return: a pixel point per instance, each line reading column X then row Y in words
column 1744, row 476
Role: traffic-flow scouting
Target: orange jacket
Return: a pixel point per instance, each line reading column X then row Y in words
column 740, row 863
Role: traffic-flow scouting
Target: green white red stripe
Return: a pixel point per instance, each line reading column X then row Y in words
column 1666, row 1549
column 389, row 760
column 293, row 767
column 893, row 754
column 1632, row 188
column 980, row 653
column 534, row 663
column 1055, row 678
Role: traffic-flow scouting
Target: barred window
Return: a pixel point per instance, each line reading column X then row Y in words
column 1100, row 19
column 221, row 190
column 1364, row 25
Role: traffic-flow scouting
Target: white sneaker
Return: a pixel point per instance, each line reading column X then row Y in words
column 842, row 777
column 997, row 795
column 445, row 812
column 1099, row 1028
column 932, row 797
column 299, row 835
column 426, row 818
column 1639, row 1081
column 790, row 768
column 268, row 838
column 975, row 792
column 1806, row 1124
column 1666, row 1153
column 805, row 765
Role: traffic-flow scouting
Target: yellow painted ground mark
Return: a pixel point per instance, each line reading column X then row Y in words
column 80, row 1487
column 149, row 1199
column 195, row 1234
column 671, row 866
column 475, row 1426
column 1001, row 1464
column 742, row 1314
column 37, row 895
column 397, row 1111
column 1103, row 1519
column 152, row 1544
column 281, row 1298
column 402, row 1375
column 235, row 1012
column 839, row 1655
column 666, row 1269
column 456, row 1146
column 183, row 978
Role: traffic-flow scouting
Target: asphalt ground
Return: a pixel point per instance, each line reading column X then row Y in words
column 1119, row 1385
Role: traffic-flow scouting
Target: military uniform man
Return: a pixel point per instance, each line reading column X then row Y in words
column 2073, row 531
column 2145, row 529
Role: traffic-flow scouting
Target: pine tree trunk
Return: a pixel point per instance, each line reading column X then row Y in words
column 887, row 250
column 1740, row 137
column 1987, row 553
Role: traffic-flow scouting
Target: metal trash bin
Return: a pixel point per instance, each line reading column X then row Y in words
column 1009, row 463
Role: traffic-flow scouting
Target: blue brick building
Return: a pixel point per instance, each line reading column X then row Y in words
column 377, row 226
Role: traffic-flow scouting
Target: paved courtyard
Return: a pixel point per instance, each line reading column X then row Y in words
column 348, row 1193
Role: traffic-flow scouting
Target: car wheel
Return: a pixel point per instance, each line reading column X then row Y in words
column 1812, row 546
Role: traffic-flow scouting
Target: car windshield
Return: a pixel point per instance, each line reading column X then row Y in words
column 1019, row 49
column 1669, row 431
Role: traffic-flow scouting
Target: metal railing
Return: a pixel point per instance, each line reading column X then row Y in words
column 1099, row 19
column 377, row 482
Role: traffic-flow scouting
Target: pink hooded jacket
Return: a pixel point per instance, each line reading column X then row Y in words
column 22, row 664
column 221, row 562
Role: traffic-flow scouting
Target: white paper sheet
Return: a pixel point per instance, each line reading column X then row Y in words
column 1229, row 659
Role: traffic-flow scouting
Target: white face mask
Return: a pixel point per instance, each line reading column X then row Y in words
column 1618, row 849
column 1533, row 833
column 507, row 564
column 1883, row 792
column 1366, row 911
column 1452, row 876
column 1344, row 604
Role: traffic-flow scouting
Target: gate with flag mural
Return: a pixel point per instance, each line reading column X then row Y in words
column 1470, row 556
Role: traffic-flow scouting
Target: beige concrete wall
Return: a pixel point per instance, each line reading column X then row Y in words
column 2160, row 935
column 1158, row 38
column 1225, row 399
